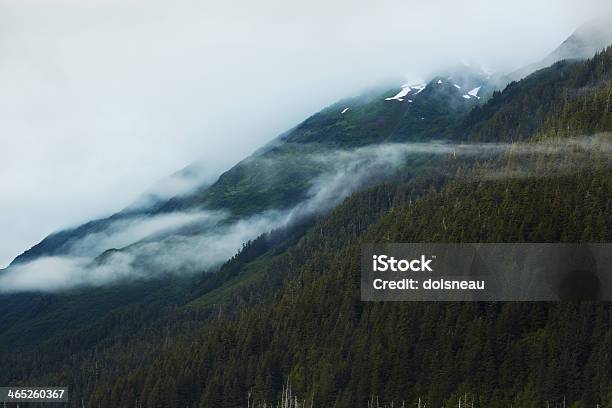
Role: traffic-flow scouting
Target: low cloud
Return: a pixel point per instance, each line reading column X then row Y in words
column 185, row 243
column 197, row 175
column 124, row 232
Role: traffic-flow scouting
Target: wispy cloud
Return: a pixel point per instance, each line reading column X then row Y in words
column 184, row 243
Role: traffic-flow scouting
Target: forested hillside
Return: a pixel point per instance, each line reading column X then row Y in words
column 287, row 307
column 320, row 336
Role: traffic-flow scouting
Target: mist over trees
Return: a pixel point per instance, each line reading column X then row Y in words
column 286, row 309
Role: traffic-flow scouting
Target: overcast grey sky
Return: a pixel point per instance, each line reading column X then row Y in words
column 99, row 99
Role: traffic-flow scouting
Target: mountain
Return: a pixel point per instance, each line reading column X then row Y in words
column 285, row 306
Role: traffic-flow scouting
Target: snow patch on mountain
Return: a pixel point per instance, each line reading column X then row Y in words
column 407, row 89
column 419, row 88
column 400, row 95
column 474, row 92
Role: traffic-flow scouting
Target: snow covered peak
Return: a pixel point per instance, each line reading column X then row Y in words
column 465, row 83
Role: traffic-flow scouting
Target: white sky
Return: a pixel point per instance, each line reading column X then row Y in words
column 100, row 99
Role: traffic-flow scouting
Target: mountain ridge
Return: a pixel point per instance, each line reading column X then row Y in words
column 588, row 39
